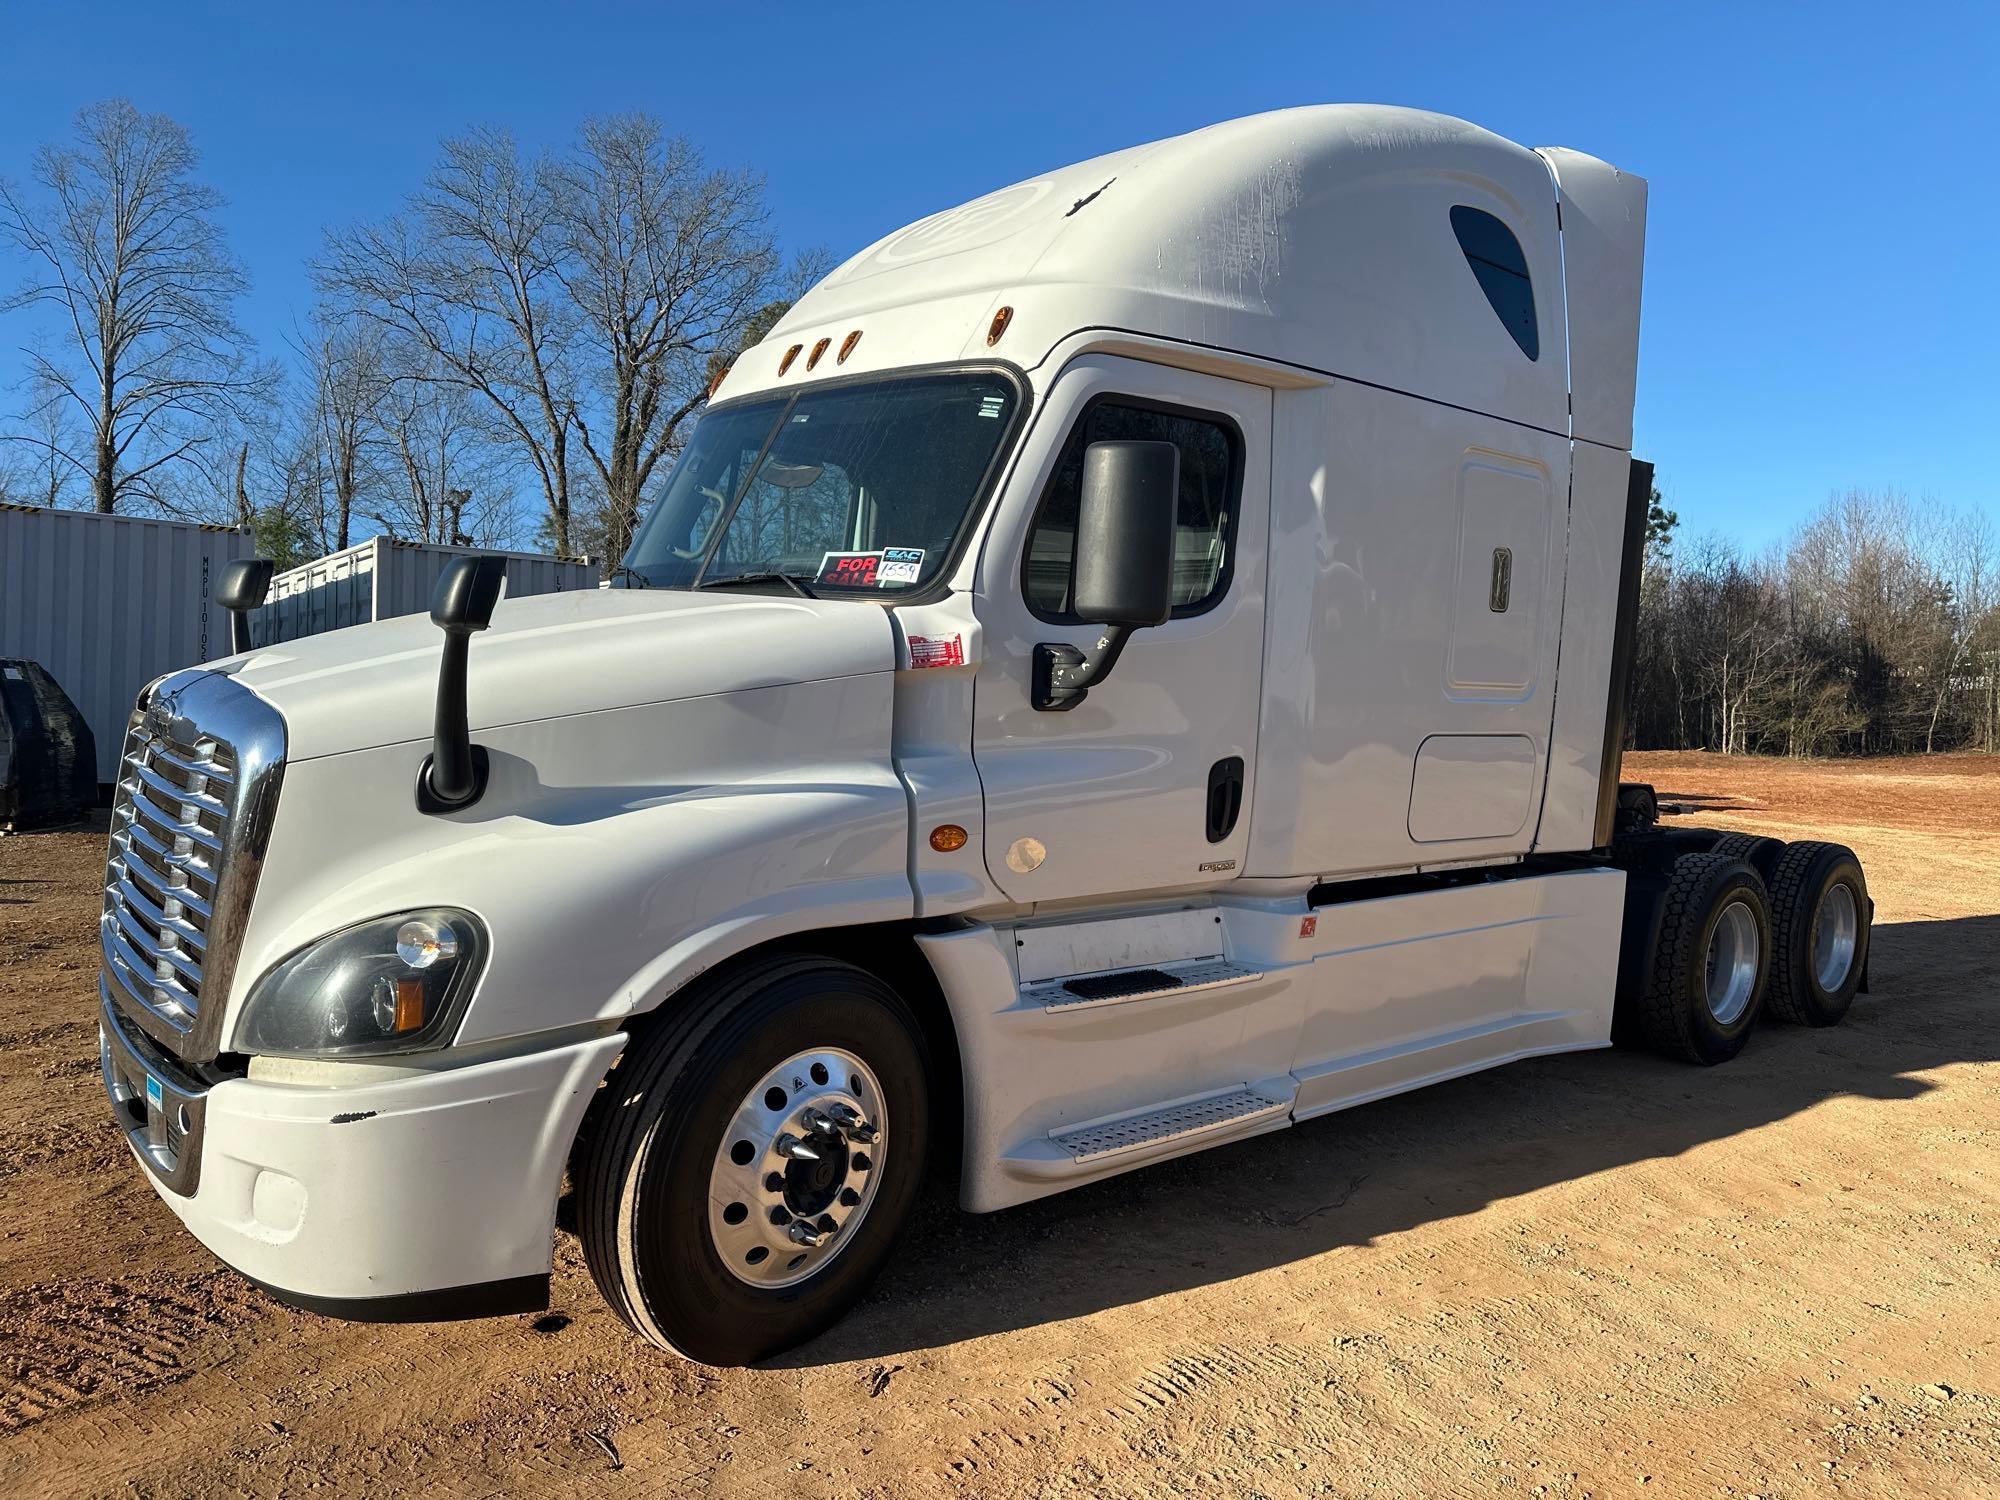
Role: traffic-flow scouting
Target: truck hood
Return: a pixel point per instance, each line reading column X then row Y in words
column 556, row 655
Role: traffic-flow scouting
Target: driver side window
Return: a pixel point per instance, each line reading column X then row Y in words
column 1211, row 452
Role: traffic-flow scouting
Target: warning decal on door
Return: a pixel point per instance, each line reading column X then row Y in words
column 937, row 650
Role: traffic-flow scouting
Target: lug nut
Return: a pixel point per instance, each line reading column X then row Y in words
column 850, row 1123
column 805, row 1234
column 798, row 1150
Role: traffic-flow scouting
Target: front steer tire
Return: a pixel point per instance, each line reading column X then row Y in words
column 676, row 1099
column 1712, row 905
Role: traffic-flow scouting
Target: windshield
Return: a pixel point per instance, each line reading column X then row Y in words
column 858, row 488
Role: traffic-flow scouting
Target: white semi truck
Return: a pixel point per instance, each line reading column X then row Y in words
column 1130, row 663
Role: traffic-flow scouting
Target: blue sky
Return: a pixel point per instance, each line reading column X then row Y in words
column 1823, row 272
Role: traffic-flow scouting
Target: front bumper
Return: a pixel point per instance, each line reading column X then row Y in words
column 425, row 1196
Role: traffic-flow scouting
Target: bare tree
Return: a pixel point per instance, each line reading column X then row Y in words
column 38, row 464
column 127, row 253
column 454, row 479
column 347, row 382
column 667, row 264
column 469, row 274
column 582, row 298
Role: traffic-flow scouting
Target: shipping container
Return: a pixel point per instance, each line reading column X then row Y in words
column 384, row 577
column 108, row 603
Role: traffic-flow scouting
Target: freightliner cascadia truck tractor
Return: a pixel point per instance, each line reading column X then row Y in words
column 1130, row 663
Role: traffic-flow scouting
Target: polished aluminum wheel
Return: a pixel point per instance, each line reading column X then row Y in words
column 1836, row 931
column 797, row 1168
column 1735, row 948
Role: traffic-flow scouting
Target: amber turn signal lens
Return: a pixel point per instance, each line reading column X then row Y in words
column 947, row 837
column 998, row 326
column 818, row 349
column 790, row 355
column 847, row 347
column 720, row 376
column 409, row 1005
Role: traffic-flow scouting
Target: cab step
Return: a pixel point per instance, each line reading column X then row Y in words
column 1146, row 982
column 1113, row 1144
column 1213, row 1114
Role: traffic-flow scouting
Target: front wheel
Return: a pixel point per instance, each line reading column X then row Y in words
column 755, row 1159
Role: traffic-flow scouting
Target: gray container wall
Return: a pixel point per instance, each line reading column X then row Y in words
column 381, row 579
column 108, row 603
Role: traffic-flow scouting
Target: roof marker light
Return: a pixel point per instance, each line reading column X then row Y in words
column 998, row 326
column 847, row 346
column 790, row 355
column 818, row 349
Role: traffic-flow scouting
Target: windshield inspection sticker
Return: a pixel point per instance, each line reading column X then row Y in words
column 900, row 565
column 854, row 570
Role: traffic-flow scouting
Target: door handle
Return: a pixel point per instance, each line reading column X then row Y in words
column 1225, row 797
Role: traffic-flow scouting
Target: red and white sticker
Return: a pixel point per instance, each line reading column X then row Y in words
column 855, row 570
column 937, row 650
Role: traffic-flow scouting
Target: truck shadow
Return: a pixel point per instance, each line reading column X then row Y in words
column 1351, row 1178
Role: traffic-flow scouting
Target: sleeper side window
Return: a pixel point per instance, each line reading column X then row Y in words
column 1211, row 479
column 1502, row 271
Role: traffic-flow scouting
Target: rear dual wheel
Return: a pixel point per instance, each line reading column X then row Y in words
column 1705, row 984
column 1820, row 920
column 755, row 1156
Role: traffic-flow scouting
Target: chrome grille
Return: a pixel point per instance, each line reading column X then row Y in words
column 195, row 791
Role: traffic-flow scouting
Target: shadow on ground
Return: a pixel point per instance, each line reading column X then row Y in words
column 1352, row 1177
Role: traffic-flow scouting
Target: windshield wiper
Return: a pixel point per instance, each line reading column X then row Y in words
column 638, row 579
column 795, row 584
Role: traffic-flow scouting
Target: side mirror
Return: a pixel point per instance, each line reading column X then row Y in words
column 240, row 588
column 1124, row 563
column 1125, row 533
column 454, row 773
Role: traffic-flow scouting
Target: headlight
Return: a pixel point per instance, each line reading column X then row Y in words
column 397, row 984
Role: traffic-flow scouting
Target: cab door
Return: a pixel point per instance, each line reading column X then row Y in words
column 1146, row 785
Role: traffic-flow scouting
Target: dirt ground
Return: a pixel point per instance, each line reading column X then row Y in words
column 1602, row 1274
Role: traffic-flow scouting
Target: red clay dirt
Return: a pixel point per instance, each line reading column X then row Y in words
column 1602, row 1274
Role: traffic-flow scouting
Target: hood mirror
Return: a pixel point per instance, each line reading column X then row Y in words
column 453, row 775
column 240, row 588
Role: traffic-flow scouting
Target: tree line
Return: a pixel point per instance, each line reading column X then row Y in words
column 512, row 355
column 1873, row 630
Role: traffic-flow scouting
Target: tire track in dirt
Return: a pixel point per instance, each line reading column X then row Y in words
column 69, row 1344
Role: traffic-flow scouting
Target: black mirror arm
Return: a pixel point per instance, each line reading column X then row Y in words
column 1064, row 674
column 453, row 775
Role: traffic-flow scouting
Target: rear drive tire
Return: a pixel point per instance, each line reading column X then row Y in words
column 1756, row 850
column 754, row 1158
column 1820, row 920
column 1706, row 980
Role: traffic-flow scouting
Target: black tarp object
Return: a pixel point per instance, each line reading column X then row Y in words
column 48, row 759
